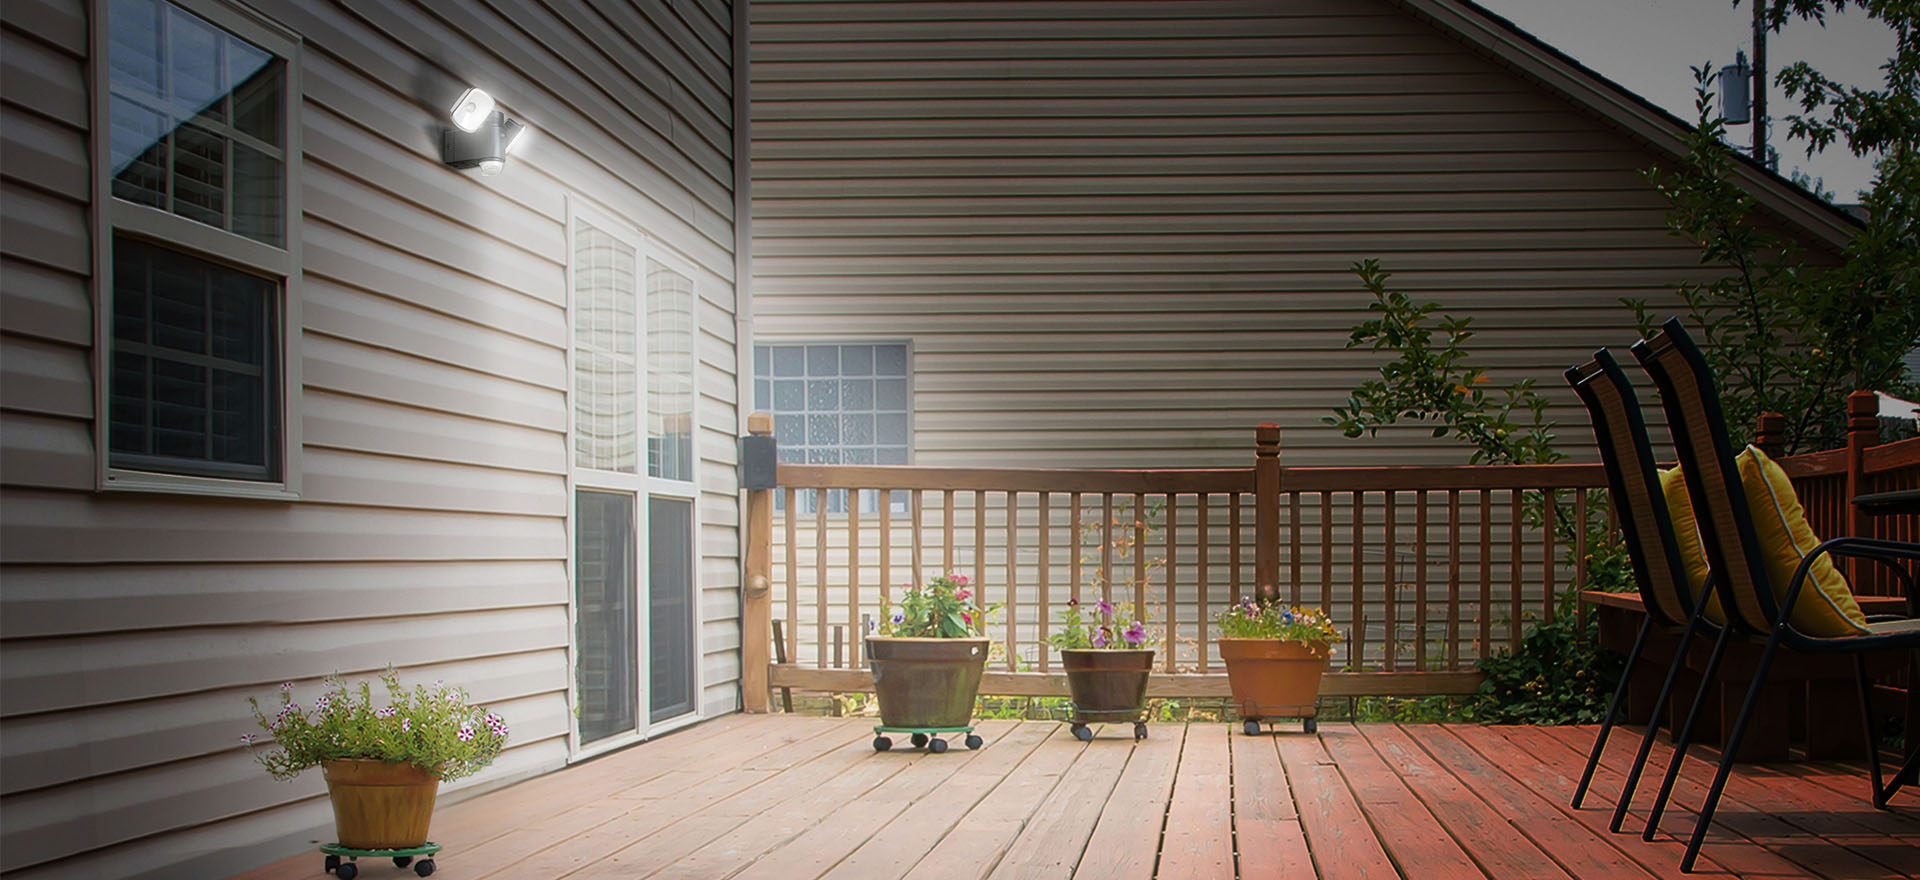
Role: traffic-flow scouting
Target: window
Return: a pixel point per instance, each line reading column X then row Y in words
column 835, row 404
column 197, row 249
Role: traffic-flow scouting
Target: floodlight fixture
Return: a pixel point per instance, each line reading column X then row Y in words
column 473, row 108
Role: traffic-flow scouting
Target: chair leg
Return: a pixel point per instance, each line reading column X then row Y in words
column 1908, row 769
column 1686, row 725
column 1729, row 750
column 1613, row 706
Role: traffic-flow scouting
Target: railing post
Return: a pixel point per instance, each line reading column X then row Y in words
column 1863, row 430
column 1770, row 434
column 1266, row 511
column 756, row 607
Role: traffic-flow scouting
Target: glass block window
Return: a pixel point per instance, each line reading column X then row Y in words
column 197, row 120
column 606, row 399
column 836, row 404
column 195, row 366
column 670, row 305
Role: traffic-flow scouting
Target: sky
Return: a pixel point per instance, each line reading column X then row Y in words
column 1649, row 46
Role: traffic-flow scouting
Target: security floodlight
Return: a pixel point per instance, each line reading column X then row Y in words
column 485, row 147
column 472, row 109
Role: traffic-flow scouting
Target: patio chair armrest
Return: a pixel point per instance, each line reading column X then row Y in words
column 1881, row 550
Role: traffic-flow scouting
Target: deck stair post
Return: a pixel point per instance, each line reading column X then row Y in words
column 1266, row 511
column 756, row 606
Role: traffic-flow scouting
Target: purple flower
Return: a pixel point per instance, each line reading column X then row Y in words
column 1136, row 634
column 899, row 617
column 466, row 733
column 286, row 686
column 321, row 704
column 1105, row 607
column 406, row 724
column 247, row 738
column 1101, row 638
column 384, row 713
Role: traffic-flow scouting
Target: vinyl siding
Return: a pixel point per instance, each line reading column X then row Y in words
column 431, row 531
column 1119, row 234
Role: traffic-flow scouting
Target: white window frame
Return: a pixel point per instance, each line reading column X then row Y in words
column 110, row 215
column 639, row 485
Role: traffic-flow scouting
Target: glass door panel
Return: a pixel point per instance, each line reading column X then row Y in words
column 670, row 607
column 605, row 602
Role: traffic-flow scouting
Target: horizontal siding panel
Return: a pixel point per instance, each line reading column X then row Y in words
column 41, row 78
column 1447, row 157
column 1473, row 244
column 46, row 378
column 45, row 154
column 782, row 11
column 46, row 303
column 56, row 747
column 1030, row 27
column 1325, row 280
column 60, row 22
column 216, row 850
column 378, row 321
column 1184, row 263
column 776, row 213
column 771, row 230
column 344, row 256
column 336, row 477
column 41, row 527
column 43, row 228
column 45, row 675
column 1203, row 92
column 349, row 368
column 44, row 452
column 359, row 424
column 1542, row 185
column 1016, row 68
column 45, row 601
column 1252, row 46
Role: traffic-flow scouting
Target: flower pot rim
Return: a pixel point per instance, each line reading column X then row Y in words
column 930, row 638
column 1328, row 643
column 1106, row 650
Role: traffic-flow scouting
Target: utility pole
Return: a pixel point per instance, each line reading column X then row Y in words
column 1760, row 83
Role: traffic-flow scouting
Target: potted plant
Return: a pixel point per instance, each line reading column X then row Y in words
column 1107, row 659
column 383, row 764
column 926, row 659
column 1275, row 656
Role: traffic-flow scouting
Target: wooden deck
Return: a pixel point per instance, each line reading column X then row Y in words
column 789, row 797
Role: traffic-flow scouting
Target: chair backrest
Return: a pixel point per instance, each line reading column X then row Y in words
column 1638, row 504
column 1692, row 403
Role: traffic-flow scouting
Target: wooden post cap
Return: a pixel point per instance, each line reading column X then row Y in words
column 759, row 423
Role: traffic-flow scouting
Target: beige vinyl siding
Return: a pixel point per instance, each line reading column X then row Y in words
column 431, row 531
column 1119, row 234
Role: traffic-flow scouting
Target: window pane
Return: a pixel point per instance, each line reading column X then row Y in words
column 605, row 351
column 194, row 384
column 604, row 572
column 789, row 360
column 890, row 360
column 670, row 336
column 670, row 607
column 823, row 360
column 848, row 417
column 196, row 120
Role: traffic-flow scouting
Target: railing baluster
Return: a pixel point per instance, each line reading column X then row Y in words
column 1140, row 553
column 1486, row 573
column 820, row 576
column 1041, row 648
column 1358, row 657
column 1514, row 554
column 1326, row 554
column 1106, row 546
column 1580, row 537
column 1390, row 608
column 1013, row 581
column 1453, row 578
column 1172, row 544
column 919, row 535
column 1420, row 584
column 789, row 527
column 1200, row 620
column 1293, row 526
column 1547, row 555
column 980, row 552
column 1233, row 554
column 886, row 544
column 946, row 530
column 1073, row 556
column 853, row 574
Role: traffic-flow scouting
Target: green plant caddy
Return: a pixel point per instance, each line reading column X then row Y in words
column 925, row 687
column 1271, row 678
column 402, row 857
column 1108, row 686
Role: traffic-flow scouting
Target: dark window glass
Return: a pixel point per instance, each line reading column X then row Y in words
column 669, row 608
column 604, row 592
column 195, row 366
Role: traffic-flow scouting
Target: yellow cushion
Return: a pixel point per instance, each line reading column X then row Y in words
column 1825, row 606
column 1686, row 532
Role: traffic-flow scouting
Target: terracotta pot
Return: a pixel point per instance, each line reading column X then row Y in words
column 1107, row 685
column 1274, row 679
column 926, row 682
column 377, row 805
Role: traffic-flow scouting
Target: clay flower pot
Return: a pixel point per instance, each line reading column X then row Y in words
column 1107, row 685
column 923, row 682
column 377, row 805
column 1271, row 678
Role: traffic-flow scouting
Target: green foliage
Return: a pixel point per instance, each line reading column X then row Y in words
column 1248, row 619
column 1426, row 383
column 943, row 608
column 436, row 730
column 1560, row 675
column 1105, row 629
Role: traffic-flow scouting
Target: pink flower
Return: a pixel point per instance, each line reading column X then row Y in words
column 466, row 733
column 286, row 686
column 406, row 724
column 966, row 617
column 963, row 595
column 960, row 580
column 384, row 713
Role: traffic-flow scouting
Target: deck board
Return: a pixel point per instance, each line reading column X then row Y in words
column 803, row 798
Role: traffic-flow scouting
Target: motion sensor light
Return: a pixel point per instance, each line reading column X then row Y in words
column 472, row 109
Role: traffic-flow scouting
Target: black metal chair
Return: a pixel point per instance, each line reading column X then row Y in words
column 1640, row 507
column 1692, row 404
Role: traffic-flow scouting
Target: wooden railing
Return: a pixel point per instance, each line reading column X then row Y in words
column 1827, row 482
column 1425, row 569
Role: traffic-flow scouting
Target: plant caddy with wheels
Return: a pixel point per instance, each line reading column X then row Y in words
column 1107, row 662
column 926, row 661
column 1275, row 657
column 383, row 765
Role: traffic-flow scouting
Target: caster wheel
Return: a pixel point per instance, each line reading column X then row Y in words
column 974, row 741
column 1139, row 731
column 881, row 744
column 332, row 863
column 1311, row 725
column 402, row 861
column 1082, row 732
column 1252, row 727
column 347, row 871
column 424, row 868
column 919, row 740
column 937, row 746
